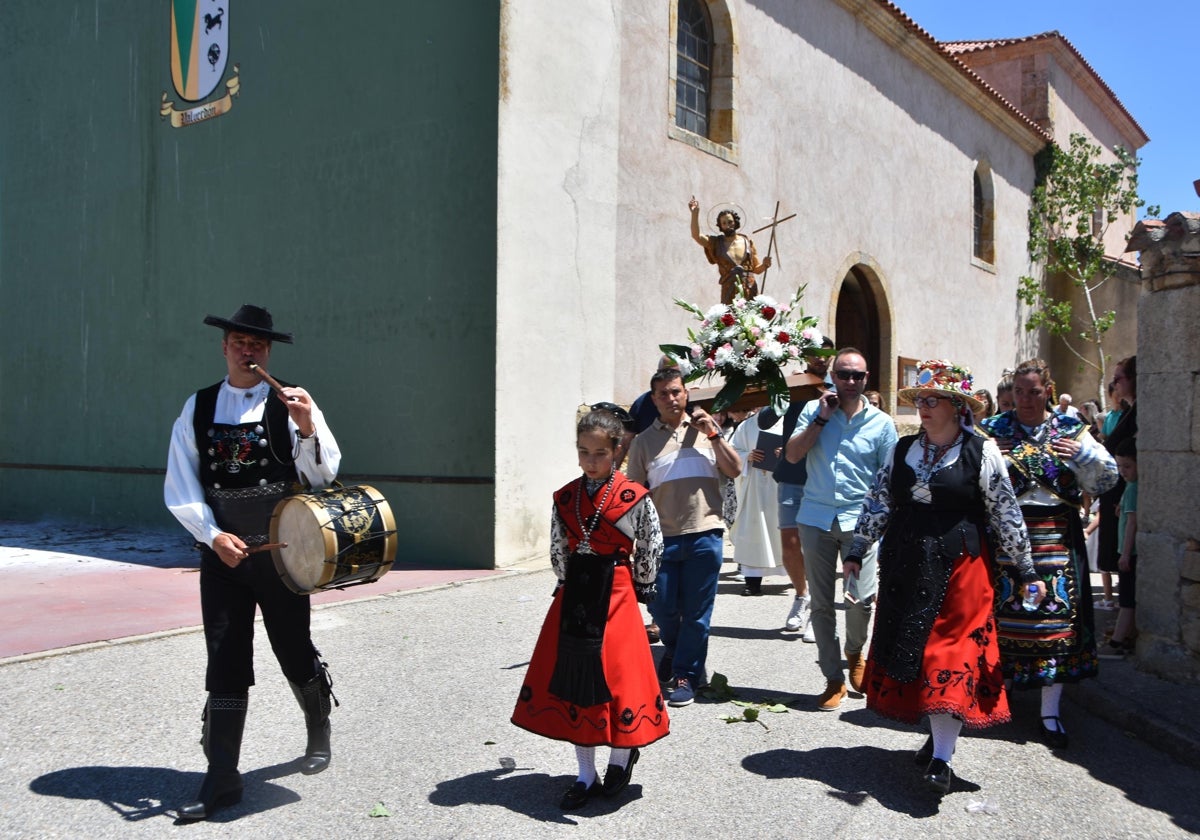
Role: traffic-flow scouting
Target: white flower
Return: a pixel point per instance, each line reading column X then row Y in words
column 772, row 350
column 723, row 355
column 812, row 335
column 715, row 313
column 685, row 367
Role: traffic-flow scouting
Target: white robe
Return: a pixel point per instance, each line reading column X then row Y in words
column 755, row 531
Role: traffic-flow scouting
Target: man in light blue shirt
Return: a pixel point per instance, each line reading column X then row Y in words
column 845, row 441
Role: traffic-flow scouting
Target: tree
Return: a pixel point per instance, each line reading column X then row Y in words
column 1076, row 198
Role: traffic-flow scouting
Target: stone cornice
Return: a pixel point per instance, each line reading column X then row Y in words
column 1170, row 251
column 1079, row 71
column 896, row 29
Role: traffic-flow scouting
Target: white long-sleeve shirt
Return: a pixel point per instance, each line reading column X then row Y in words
column 182, row 491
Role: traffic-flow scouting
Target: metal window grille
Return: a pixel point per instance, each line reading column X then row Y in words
column 693, row 73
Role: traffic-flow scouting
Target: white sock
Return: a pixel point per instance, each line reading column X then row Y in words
column 619, row 757
column 586, row 756
column 945, row 729
column 1051, row 695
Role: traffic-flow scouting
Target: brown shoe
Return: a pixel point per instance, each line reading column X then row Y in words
column 857, row 665
column 833, row 695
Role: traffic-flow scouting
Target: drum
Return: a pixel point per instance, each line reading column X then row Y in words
column 340, row 537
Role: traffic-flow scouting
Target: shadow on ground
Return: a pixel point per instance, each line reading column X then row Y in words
column 139, row 793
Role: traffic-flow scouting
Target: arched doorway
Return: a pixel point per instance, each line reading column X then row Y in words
column 862, row 319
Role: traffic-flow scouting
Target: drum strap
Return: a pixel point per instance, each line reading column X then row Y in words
column 579, row 669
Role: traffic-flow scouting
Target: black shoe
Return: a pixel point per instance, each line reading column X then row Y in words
column 615, row 778
column 1055, row 738
column 938, row 776
column 923, row 756
column 219, row 790
column 578, row 794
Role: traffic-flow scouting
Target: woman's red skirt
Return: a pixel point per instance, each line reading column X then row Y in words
column 636, row 715
column 960, row 669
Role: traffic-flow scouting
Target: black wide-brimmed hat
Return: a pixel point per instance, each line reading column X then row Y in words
column 252, row 320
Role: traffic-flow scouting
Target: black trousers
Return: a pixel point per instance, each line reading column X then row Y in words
column 227, row 601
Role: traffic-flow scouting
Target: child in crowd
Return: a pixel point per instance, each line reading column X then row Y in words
column 1122, row 637
column 591, row 680
column 1091, row 535
column 1004, row 393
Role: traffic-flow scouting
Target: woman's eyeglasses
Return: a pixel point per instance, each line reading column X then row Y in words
column 927, row 402
column 847, row 375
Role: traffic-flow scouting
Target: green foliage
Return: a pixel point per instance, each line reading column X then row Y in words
column 1076, row 198
column 718, row 688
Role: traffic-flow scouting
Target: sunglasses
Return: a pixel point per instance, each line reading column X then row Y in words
column 847, row 375
column 927, row 402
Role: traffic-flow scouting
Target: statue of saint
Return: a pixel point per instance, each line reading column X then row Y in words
column 731, row 252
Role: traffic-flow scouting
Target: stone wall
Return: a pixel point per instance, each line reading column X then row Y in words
column 1168, row 542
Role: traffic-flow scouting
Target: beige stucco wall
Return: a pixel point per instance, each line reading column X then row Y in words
column 873, row 154
column 557, row 197
column 1045, row 78
column 849, row 128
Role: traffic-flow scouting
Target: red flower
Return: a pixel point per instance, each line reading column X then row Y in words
column 728, row 320
column 783, row 338
column 768, row 312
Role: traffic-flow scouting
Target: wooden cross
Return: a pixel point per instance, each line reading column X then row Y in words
column 775, row 222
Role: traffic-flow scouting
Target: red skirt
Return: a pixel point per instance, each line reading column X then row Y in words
column 636, row 715
column 960, row 669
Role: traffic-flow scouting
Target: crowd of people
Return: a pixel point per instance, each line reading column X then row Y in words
column 963, row 567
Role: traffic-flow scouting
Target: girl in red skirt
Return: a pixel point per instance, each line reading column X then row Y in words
column 591, row 680
column 933, row 650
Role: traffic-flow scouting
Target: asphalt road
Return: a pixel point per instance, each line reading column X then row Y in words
column 102, row 743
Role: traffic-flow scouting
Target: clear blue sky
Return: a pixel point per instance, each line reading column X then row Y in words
column 1145, row 52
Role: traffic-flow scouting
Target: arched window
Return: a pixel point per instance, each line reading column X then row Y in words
column 702, row 79
column 983, row 215
column 693, row 67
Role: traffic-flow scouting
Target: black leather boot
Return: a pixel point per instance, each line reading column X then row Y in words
column 313, row 697
column 224, row 722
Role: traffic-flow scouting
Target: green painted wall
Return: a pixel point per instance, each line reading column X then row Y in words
column 351, row 190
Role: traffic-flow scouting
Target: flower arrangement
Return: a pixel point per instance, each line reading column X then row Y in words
column 749, row 343
column 942, row 375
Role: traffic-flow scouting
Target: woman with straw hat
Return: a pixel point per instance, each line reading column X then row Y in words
column 933, row 651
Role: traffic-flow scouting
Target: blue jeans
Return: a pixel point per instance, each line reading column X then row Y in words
column 687, row 590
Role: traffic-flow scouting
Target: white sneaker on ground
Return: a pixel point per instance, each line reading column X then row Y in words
column 797, row 617
column 809, row 636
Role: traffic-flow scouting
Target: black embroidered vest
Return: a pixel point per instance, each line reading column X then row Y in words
column 245, row 469
column 918, row 553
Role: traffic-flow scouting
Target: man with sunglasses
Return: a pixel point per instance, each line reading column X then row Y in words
column 844, row 440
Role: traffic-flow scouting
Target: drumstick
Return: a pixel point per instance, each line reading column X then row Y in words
column 269, row 379
column 265, row 547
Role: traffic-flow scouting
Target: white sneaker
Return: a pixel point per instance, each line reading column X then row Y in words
column 797, row 617
column 809, row 636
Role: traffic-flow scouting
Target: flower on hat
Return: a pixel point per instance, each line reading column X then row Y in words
column 946, row 377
